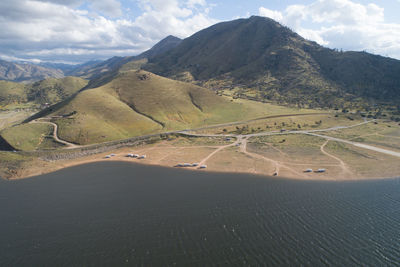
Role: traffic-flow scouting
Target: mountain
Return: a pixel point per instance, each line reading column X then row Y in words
column 161, row 47
column 93, row 70
column 261, row 59
column 65, row 68
column 26, row 72
column 50, row 91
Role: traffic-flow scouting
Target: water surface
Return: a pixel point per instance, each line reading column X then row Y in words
column 117, row 214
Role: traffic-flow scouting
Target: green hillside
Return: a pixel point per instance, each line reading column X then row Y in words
column 49, row 91
column 260, row 59
column 54, row 90
column 138, row 102
column 11, row 92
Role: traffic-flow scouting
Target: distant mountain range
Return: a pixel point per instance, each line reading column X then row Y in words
column 26, row 72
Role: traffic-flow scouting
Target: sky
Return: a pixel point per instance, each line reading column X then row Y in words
column 76, row 31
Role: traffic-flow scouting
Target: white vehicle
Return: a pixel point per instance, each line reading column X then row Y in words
column 112, row 155
column 108, row 156
column 203, row 166
column 195, row 164
column 187, row 165
column 309, row 170
column 142, row 157
column 321, row 170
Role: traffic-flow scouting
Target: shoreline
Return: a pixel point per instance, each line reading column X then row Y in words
column 120, row 158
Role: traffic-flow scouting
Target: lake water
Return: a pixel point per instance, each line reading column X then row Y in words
column 121, row 214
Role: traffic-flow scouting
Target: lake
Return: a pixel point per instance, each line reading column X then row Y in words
column 122, row 214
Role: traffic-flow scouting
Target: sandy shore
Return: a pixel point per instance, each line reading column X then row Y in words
column 218, row 158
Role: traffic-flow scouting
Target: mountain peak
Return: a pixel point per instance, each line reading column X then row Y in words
column 162, row 46
column 273, row 62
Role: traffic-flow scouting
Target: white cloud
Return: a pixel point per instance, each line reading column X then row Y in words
column 110, row 8
column 343, row 24
column 275, row 15
column 63, row 30
column 193, row 3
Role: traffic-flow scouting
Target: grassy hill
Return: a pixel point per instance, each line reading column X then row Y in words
column 263, row 60
column 50, row 91
column 54, row 90
column 138, row 102
column 12, row 92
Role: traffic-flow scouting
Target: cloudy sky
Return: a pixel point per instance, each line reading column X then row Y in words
column 76, row 31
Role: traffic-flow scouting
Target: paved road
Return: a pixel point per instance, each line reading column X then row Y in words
column 369, row 147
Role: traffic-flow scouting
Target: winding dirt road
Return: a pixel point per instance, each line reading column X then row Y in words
column 343, row 166
column 55, row 135
column 242, row 142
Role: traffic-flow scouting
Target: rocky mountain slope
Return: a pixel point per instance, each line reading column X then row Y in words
column 261, row 59
column 26, row 72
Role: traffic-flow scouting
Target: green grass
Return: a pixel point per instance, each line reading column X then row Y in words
column 27, row 136
column 11, row 92
column 382, row 134
column 54, row 90
column 101, row 116
column 18, row 95
column 48, row 142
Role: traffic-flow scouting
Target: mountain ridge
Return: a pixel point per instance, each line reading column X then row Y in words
column 266, row 60
column 25, row 72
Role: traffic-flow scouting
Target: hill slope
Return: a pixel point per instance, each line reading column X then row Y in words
column 26, row 72
column 265, row 60
column 136, row 103
column 49, row 91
